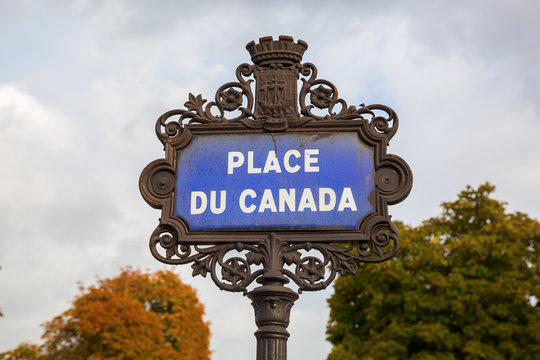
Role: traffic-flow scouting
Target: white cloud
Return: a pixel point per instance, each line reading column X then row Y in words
column 28, row 123
column 50, row 213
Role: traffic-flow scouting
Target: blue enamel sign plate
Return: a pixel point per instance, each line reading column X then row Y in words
column 280, row 181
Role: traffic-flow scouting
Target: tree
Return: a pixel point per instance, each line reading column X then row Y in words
column 465, row 285
column 25, row 351
column 132, row 316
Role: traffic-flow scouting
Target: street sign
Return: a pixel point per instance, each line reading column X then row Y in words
column 267, row 184
column 282, row 181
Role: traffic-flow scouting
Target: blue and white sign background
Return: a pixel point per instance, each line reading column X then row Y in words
column 318, row 180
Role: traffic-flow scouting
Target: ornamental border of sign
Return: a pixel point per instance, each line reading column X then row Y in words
column 311, row 258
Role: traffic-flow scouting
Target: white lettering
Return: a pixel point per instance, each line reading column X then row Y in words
column 251, row 168
column 198, row 195
column 288, row 198
column 286, row 161
column 236, row 159
column 308, row 160
column 323, row 205
column 267, row 201
column 347, row 200
column 307, row 201
column 223, row 202
column 242, row 201
column 272, row 163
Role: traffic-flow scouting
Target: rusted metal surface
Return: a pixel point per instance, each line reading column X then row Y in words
column 311, row 255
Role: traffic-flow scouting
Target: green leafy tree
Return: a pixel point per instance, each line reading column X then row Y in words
column 465, row 285
column 132, row 316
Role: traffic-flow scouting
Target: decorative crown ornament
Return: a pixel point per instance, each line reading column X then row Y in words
column 276, row 72
column 284, row 50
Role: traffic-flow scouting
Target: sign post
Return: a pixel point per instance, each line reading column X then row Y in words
column 268, row 185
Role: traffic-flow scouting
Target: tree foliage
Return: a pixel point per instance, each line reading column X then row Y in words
column 465, row 285
column 132, row 316
column 25, row 351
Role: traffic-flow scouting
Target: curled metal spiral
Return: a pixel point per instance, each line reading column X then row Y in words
column 315, row 93
column 233, row 266
column 229, row 98
column 322, row 94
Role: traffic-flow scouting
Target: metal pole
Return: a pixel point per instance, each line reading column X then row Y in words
column 272, row 304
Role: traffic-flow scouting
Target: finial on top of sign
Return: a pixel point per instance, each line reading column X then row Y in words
column 265, row 96
column 284, row 50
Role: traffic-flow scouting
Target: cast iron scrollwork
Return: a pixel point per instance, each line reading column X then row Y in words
column 229, row 98
column 312, row 266
column 322, row 94
column 274, row 113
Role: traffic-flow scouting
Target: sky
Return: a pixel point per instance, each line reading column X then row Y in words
column 82, row 83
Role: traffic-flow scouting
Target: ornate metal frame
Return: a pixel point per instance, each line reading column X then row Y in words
column 311, row 259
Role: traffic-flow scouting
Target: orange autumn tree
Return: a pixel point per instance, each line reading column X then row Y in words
column 24, row 351
column 132, row 316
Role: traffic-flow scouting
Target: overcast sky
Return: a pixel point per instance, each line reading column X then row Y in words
column 82, row 83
